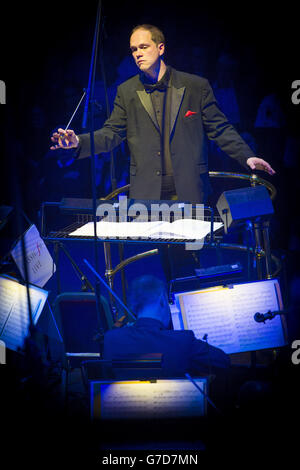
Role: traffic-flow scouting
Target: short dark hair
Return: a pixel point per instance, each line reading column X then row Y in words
column 143, row 291
column 156, row 34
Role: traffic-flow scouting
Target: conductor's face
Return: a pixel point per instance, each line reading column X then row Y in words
column 145, row 51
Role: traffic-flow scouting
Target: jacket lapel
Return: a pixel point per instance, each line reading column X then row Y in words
column 147, row 103
column 177, row 95
column 176, row 100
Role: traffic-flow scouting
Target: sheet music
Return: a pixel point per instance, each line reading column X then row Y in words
column 116, row 229
column 226, row 315
column 193, row 228
column 40, row 264
column 189, row 229
column 159, row 399
column 14, row 314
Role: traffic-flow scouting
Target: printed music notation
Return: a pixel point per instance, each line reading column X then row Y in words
column 185, row 229
column 40, row 265
column 226, row 315
column 157, row 399
column 14, row 311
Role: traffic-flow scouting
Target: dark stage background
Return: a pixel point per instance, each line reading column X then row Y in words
column 249, row 54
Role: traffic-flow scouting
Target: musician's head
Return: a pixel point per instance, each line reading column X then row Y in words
column 148, row 299
column 147, row 45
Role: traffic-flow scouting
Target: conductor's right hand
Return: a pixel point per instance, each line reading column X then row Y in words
column 64, row 139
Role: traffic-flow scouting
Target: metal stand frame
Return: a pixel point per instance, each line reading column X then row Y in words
column 261, row 251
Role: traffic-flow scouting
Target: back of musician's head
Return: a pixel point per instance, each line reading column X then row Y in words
column 157, row 35
column 147, row 297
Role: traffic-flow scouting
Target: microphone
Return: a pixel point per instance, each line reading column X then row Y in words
column 262, row 317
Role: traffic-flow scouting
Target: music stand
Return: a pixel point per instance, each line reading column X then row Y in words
column 77, row 321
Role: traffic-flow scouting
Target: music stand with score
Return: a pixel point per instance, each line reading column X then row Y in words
column 226, row 315
column 148, row 399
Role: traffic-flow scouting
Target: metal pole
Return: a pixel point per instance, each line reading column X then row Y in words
column 267, row 249
column 258, row 249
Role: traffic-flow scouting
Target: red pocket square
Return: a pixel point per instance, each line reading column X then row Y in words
column 189, row 113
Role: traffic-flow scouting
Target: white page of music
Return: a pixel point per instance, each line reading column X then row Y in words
column 40, row 265
column 161, row 398
column 226, row 315
column 181, row 229
column 14, row 312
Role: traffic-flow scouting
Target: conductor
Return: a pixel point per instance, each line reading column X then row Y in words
column 166, row 116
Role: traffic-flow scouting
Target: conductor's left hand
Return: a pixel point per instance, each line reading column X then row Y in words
column 256, row 163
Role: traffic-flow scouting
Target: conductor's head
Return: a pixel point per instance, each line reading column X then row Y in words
column 148, row 299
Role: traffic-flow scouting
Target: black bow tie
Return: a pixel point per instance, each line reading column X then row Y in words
column 155, row 86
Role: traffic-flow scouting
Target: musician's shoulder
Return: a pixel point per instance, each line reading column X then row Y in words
column 188, row 79
column 130, row 83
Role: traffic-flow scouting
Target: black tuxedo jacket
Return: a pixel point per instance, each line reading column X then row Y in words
column 182, row 352
column 195, row 116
